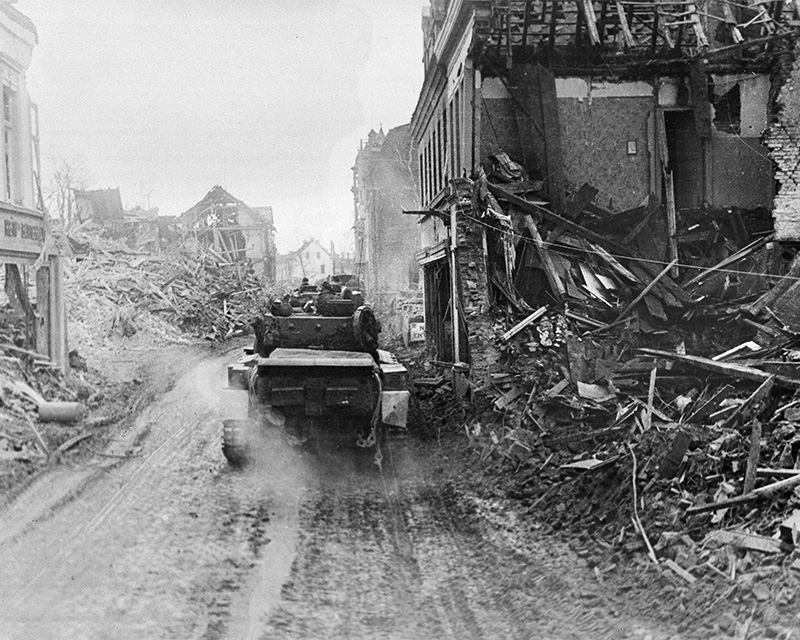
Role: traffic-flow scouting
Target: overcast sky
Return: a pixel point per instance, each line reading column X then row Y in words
column 166, row 98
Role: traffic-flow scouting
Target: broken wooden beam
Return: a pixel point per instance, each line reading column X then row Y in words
column 612, row 262
column 651, row 389
column 752, row 458
column 522, row 324
column 627, row 34
column 586, row 320
column 755, row 494
column 746, row 408
column 744, row 540
column 750, row 345
column 507, row 398
column 644, row 292
column 553, row 278
column 680, row 571
column 726, row 368
column 783, row 285
column 777, row 473
column 533, row 208
column 731, row 259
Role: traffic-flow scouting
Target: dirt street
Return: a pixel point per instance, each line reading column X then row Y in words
column 158, row 538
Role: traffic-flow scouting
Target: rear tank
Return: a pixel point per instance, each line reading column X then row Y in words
column 311, row 375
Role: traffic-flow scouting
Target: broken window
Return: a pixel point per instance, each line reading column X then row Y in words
column 728, row 111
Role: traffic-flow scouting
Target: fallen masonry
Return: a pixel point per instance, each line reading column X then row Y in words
column 653, row 407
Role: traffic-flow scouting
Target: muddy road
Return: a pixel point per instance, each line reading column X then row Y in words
column 158, row 538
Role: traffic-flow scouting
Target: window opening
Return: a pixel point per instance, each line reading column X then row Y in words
column 728, row 111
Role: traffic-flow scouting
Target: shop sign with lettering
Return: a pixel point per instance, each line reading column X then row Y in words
column 22, row 232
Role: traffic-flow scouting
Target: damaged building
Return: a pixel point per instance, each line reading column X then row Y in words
column 234, row 230
column 33, row 308
column 102, row 210
column 617, row 158
column 385, row 243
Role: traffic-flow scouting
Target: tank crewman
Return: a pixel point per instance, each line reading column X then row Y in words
column 305, row 286
column 282, row 308
column 324, row 298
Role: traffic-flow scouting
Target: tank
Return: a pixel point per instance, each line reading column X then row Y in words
column 316, row 375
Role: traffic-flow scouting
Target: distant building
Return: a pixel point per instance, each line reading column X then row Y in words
column 386, row 241
column 311, row 260
column 235, row 230
column 344, row 263
column 101, row 205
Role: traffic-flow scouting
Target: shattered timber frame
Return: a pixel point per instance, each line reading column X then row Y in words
column 668, row 132
column 644, row 31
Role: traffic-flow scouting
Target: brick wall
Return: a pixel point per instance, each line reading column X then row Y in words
column 783, row 140
column 475, row 291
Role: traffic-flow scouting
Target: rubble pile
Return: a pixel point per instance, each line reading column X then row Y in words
column 652, row 402
column 29, row 385
column 191, row 289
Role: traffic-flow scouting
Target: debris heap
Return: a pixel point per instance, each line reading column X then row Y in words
column 648, row 390
column 192, row 289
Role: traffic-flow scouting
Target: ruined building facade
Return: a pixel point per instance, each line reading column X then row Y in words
column 234, row 230
column 671, row 109
column 386, row 241
column 28, row 250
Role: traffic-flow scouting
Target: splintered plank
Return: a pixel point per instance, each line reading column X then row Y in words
column 746, row 408
column 556, row 285
column 645, row 291
column 755, row 494
column 524, row 323
column 744, row 540
column 736, row 257
column 726, row 368
column 591, row 20
column 623, row 23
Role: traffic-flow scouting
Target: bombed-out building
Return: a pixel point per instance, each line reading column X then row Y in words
column 386, row 243
column 578, row 152
column 234, row 230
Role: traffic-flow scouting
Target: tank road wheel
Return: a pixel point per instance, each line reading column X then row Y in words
column 234, row 441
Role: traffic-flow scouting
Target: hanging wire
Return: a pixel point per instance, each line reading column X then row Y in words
column 661, row 263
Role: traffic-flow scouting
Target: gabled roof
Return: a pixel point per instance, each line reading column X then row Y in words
column 217, row 196
column 305, row 244
column 219, row 200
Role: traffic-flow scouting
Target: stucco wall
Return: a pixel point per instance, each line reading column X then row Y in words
column 499, row 122
column 741, row 173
